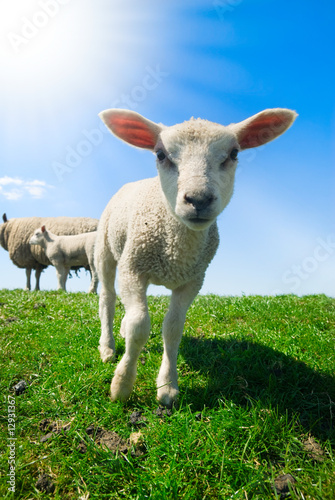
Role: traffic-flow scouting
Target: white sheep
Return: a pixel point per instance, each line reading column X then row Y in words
column 65, row 252
column 16, row 233
column 163, row 230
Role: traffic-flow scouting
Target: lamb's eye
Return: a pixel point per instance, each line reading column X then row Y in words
column 160, row 155
column 233, row 154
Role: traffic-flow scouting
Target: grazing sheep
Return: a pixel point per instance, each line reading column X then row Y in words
column 65, row 252
column 163, row 230
column 16, row 233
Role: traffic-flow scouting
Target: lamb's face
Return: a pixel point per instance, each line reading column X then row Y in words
column 196, row 162
column 37, row 238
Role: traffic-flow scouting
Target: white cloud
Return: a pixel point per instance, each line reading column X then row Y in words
column 35, row 191
column 14, row 194
column 17, row 188
column 4, row 181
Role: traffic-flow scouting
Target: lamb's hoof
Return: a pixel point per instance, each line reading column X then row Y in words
column 120, row 392
column 167, row 396
column 106, row 354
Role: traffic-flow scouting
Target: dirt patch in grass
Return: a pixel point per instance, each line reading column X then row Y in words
column 313, row 449
column 115, row 443
column 52, row 428
column 137, row 419
column 45, row 484
column 20, row 387
column 102, row 437
column 163, row 412
column 281, row 485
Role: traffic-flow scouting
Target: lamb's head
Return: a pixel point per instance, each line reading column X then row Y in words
column 39, row 236
column 197, row 159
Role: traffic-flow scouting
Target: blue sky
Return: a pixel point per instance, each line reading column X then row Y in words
column 63, row 61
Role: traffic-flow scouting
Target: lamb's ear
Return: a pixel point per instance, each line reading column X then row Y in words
column 263, row 127
column 131, row 127
column 43, row 229
column 4, row 218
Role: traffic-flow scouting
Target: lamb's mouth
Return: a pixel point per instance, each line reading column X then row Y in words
column 199, row 222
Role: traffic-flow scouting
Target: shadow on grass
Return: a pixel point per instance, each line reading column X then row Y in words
column 243, row 372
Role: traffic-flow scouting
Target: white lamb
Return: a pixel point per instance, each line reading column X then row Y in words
column 16, row 233
column 65, row 252
column 163, row 230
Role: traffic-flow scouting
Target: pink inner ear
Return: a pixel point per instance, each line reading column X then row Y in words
column 263, row 129
column 133, row 131
column 43, row 229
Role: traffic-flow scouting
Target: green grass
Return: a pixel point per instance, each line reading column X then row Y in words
column 256, row 377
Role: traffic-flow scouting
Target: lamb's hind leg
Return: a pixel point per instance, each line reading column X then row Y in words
column 93, row 273
column 94, row 281
column 167, row 380
column 28, row 274
column 106, row 268
column 136, row 330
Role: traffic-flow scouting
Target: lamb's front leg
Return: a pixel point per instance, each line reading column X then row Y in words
column 136, row 330
column 167, row 380
column 62, row 273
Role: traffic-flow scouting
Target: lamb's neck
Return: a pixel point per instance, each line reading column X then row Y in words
column 49, row 238
column 183, row 240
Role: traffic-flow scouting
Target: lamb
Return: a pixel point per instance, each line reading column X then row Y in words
column 163, row 230
column 65, row 252
column 16, row 233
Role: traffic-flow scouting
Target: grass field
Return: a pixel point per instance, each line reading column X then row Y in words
column 257, row 392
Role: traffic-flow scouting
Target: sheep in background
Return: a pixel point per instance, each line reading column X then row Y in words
column 30, row 263
column 16, row 233
column 65, row 252
column 163, row 230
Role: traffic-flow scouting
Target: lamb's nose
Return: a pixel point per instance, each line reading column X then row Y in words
column 200, row 202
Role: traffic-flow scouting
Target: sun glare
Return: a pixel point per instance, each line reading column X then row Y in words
column 56, row 58
column 40, row 45
column 50, row 49
column 51, row 54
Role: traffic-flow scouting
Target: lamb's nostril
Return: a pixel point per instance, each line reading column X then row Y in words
column 199, row 202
